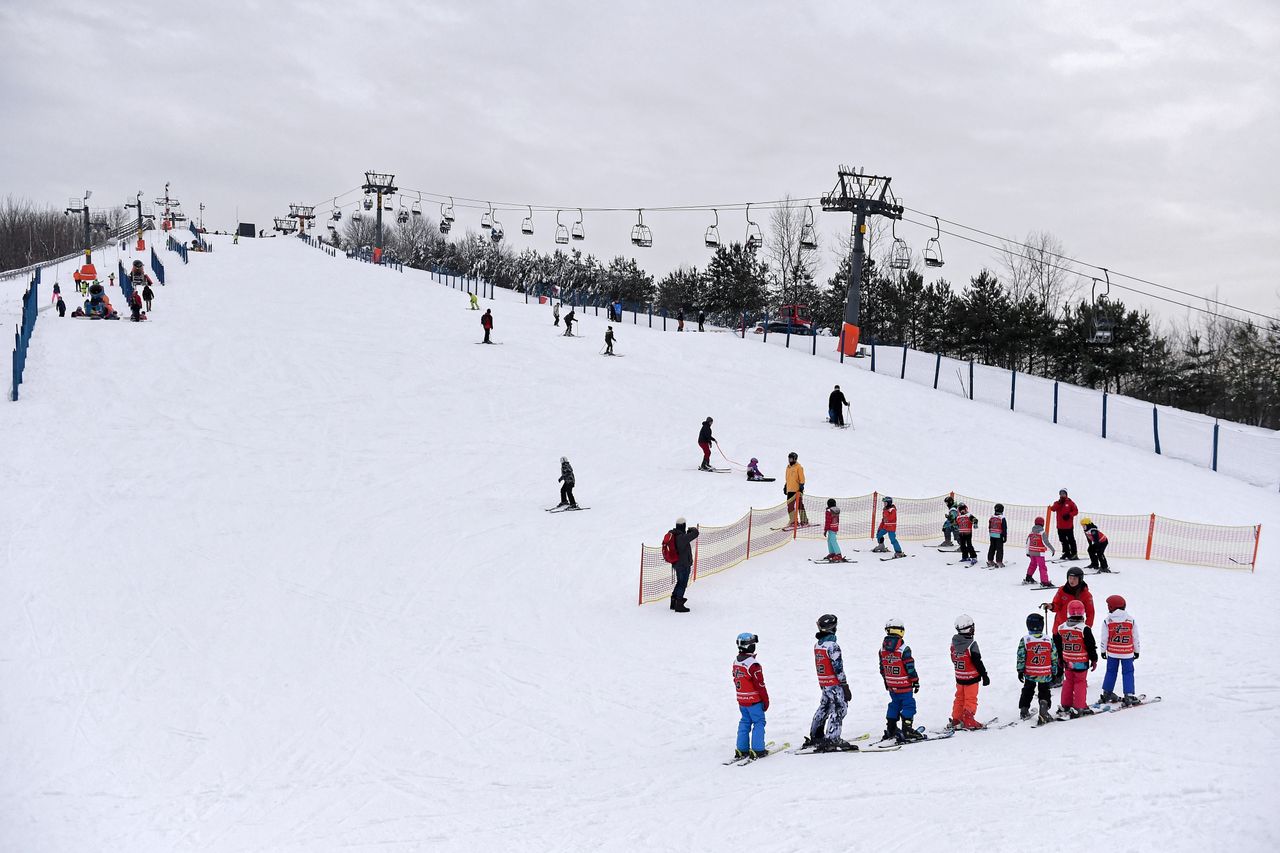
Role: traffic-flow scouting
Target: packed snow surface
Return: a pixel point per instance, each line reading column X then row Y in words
column 277, row 576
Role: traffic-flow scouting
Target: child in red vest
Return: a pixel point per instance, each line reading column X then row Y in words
column 965, row 522
column 888, row 527
column 898, row 671
column 1079, row 655
column 825, row 730
column 1037, row 544
column 753, row 699
column 967, row 661
column 831, row 526
column 1037, row 668
column 1120, row 648
column 1097, row 542
column 998, row 533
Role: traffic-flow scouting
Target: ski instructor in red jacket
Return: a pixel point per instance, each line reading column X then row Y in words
column 1065, row 512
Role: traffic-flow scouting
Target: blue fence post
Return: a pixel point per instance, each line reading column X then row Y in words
column 1055, row 402
column 1104, row 414
column 650, row 315
column 1013, row 388
column 744, row 325
column 937, row 368
column 842, row 344
column 873, row 356
column 904, row 362
column 1215, row 445
column 664, row 319
column 1155, row 427
column 970, row 379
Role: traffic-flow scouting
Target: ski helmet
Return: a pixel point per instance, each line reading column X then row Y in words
column 963, row 507
column 680, row 521
column 564, row 459
column 754, row 460
column 999, row 508
column 1062, row 492
column 1035, row 623
column 1075, row 610
column 827, row 622
column 1076, row 572
column 886, row 500
column 137, row 263
column 1115, row 602
column 1039, row 521
column 895, row 626
column 792, row 456
column 964, row 624
column 1086, row 522
column 948, row 500
column 831, row 503
column 747, row 642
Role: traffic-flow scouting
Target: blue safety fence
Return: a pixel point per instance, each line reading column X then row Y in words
column 316, row 243
column 367, row 257
column 197, row 240
column 175, row 246
column 157, row 267
column 126, row 284
column 22, row 335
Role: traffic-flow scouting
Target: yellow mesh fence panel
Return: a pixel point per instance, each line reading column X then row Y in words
column 1204, row 544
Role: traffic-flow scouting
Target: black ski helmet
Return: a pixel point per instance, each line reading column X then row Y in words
column 1035, row 623
column 886, row 500
column 747, row 642
column 999, row 508
column 831, row 502
column 963, row 507
column 827, row 622
column 1077, row 572
column 948, row 500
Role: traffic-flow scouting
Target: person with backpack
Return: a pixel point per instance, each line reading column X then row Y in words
column 998, row 533
column 486, row 322
column 677, row 550
column 135, row 307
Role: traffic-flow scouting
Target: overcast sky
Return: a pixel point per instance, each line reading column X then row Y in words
column 1144, row 135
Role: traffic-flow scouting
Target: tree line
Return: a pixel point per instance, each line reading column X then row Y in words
column 30, row 234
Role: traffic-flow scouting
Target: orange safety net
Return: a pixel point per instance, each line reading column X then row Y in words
column 1138, row 537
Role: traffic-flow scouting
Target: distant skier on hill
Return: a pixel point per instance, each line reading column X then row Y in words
column 475, row 302
column 608, row 341
column 705, row 440
column 486, row 322
column 680, row 320
column 568, row 324
column 753, row 470
column 835, row 406
column 555, row 314
column 566, row 488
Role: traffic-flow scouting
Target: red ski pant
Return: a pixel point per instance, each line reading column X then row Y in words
column 1075, row 688
column 706, row 452
column 966, row 701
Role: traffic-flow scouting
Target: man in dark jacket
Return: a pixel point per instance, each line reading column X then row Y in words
column 704, row 441
column 147, row 295
column 62, row 307
column 1065, row 511
column 684, row 537
column 487, row 322
column 835, row 406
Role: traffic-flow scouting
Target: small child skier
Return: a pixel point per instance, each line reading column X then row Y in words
column 970, row 670
column 753, row 699
column 1097, row 542
column 824, row 731
column 998, row 534
column 753, row 470
column 831, row 526
column 898, row 671
column 888, row 527
column 948, row 521
column 1120, row 648
column 1079, row 655
column 608, row 341
column 1037, row 544
column 964, row 525
column 475, row 303
column 566, row 480
column 1038, row 667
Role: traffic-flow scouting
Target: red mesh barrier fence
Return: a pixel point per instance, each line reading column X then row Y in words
column 1140, row 537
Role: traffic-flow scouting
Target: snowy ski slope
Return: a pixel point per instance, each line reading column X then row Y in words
column 277, row 576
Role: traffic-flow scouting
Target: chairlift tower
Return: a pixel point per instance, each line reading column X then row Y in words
column 304, row 213
column 169, row 203
column 380, row 185
column 137, row 205
column 81, row 207
column 862, row 195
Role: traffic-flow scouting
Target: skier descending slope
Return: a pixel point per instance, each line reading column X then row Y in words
column 486, row 322
column 705, row 440
column 1038, row 667
column 970, row 670
column 1121, row 649
column 898, row 671
column 566, row 480
column 825, row 730
column 753, row 699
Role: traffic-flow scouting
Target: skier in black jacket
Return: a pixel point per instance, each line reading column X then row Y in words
column 705, row 440
column 567, row 479
column 835, row 406
column 684, row 537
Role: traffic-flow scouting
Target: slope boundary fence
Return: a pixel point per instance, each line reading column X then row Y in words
column 1135, row 537
column 22, row 334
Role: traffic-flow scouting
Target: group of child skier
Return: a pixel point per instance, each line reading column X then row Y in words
column 1066, row 655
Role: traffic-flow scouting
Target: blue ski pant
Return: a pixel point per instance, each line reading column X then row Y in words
column 682, row 579
column 833, row 546
column 901, row 705
column 828, row 722
column 1109, row 680
column 893, row 538
column 751, row 727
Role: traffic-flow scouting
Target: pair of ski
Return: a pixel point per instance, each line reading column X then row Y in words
column 717, row 470
column 763, row 480
column 896, row 557
column 793, row 527
column 879, row 746
column 743, row 760
column 566, row 508
column 828, row 562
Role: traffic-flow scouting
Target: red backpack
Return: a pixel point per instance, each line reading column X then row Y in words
column 669, row 552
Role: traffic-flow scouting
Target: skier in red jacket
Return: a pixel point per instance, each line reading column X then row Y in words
column 1075, row 589
column 1065, row 512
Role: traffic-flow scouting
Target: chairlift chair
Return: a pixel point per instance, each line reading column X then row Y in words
column 337, row 211
column 755, row 237
column 900, row 254
column 402, row 216
column 562, row 233
column 496, row 232
column 640, row 233
column 1102, row 327
column 357, row 215
column 808, row 233
column 368, row 202
column 526, row 227
column 576, row 231
column 486, row 218
column 712, row 237
column 416, row 209
column 447, row 212
column 933, row 248
column 445, row 225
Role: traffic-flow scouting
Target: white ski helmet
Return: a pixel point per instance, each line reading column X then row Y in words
column 964, row 624
column 894, row 625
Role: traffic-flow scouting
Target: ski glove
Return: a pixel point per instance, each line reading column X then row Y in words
column 1104, row 655
column 848, row 694
column 1020, row 676
column 1135, row 655
column 986, row 681
column 1093, row 666
column 915, row 688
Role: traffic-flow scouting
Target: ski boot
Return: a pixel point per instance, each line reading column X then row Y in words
column 562, row 503
column 814, row 742
column 898, row 555
column 836, row 745
column 1028, row 580
column 1044, row 716
column 970, row 723
column 1044, row 585
column 758, row 753
column 1024, row 713
column 1107, row 698
column 704, row 467
column 909, row 733
column 991, row 564
column 1086, row 711
column 739, row 754
column 880, row 549
column 1103, row 570
column 1130, row 700
column 891, row 731
column 953, row 724
column 1073, row 713
column 999, row 565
